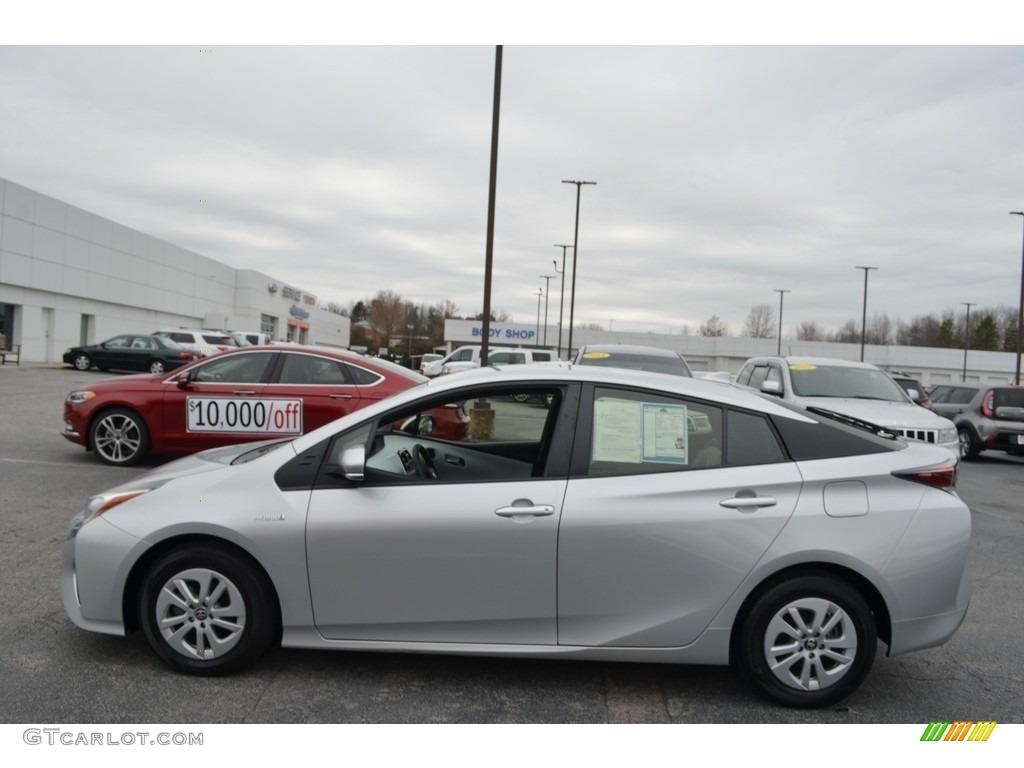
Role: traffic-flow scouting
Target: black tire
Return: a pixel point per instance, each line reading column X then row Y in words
column 118, row 436
column 231, row 623
column 818, row 661
column 81, row 361
column 156, row 366
column 970, row 443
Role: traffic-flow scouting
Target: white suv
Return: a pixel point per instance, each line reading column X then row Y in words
column 859, row 390
column 205, row 343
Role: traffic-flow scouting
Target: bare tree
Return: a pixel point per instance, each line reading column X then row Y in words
column 713, row 327
column 879, row 330
column 387, row 314
column 809, row 330
column 849, row 332
column 760, row 322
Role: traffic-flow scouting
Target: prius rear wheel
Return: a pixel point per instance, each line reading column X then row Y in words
column 808, row 641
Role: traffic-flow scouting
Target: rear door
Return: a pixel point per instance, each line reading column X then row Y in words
column 324, row 385
column 671, row 504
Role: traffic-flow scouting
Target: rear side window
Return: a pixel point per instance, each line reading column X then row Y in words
column 1009, row 398
column 962, row 395
column 542, row 357
column 636, row 433
column 361, row 376
column 751, row 440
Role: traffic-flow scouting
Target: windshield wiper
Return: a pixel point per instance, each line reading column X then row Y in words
column 853, row 421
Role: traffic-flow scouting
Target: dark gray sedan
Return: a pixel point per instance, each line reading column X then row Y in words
column 130, row 352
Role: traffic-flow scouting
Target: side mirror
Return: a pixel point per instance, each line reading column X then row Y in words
column 353, row 463
column 771, row 387
column 914, row 394
column 182, row 380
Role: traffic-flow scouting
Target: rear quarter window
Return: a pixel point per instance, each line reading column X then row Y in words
column 824, row 439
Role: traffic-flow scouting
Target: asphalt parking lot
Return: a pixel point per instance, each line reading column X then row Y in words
column 53, row 672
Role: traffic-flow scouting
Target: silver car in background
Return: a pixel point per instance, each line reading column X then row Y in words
column 859, row 390
column 614, row 515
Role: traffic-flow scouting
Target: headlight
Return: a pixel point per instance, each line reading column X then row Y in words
column 104, row 502
column 79, row 396
column 947, row 435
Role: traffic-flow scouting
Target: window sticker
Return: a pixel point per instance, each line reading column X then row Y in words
column 629, row 432
column 228, row 414
column 665, row 436
column 596, row 355
column 617, row 431
column 803, row 367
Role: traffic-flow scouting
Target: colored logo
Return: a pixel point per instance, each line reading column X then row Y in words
column 961, row 730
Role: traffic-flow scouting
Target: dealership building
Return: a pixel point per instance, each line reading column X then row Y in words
column 69, row 277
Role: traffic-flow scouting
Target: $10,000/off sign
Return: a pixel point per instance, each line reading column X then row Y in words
column 240, row 414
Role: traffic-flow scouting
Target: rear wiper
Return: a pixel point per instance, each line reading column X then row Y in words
column 853, row 421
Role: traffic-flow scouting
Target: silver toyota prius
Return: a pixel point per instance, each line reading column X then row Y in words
column 609, row 514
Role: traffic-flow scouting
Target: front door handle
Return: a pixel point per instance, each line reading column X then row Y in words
column 341, row 396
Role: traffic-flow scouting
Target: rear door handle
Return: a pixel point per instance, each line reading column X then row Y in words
column 341, row 396
column 244, row 392
column 746, row 502
column 538, row 510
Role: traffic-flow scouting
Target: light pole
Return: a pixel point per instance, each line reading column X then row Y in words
column 967, row 336
column 782, row 292
column 410, row 326
column 547, row 297
column 561, row 296
column 1020, row 310
column 575, row 254
column 864, row 314
column 540, row 292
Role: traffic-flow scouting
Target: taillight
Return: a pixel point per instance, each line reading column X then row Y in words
column 186, row 356
column 988, row 404
column 941, row 476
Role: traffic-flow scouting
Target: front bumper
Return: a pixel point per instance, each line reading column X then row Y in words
column 91, row 583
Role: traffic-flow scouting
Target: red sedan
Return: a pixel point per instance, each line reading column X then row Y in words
column 254, row 393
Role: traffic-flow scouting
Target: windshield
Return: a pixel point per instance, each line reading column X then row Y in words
column 843, row 381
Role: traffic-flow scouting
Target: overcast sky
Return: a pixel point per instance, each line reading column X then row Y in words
column 722, row 173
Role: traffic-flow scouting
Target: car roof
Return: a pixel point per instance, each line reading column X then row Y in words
column 833, row 361
column 631, row 349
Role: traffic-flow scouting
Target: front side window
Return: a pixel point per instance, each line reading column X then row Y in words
column 483, row 436
column 234, row 369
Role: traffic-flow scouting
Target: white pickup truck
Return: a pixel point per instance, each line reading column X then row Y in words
column 467, row 358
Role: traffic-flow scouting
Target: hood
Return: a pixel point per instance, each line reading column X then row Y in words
column 880, row 412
